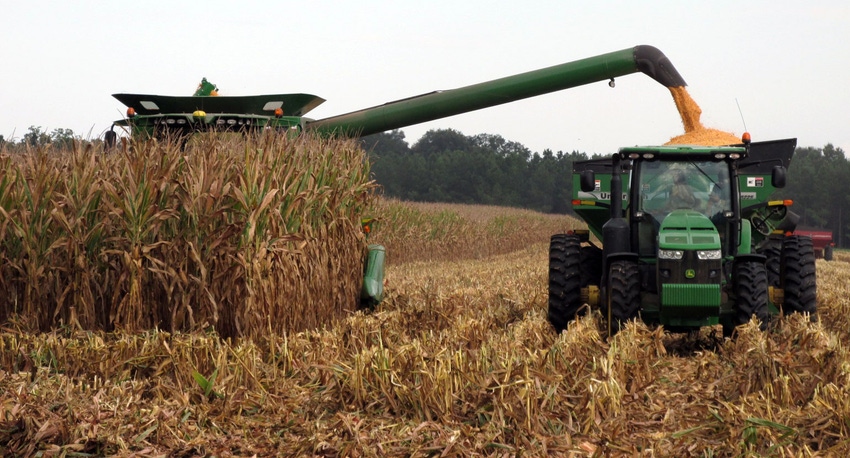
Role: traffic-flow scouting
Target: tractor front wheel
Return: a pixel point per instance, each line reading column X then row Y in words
column 564, row 280
column 751, row 294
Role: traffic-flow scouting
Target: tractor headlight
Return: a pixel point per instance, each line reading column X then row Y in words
column 708, row 254
column 670, row 254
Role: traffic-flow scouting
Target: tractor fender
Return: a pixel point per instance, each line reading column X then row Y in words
column 621, row 256
column 750, row 257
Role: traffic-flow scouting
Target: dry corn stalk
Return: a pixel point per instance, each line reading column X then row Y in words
column 231, row 233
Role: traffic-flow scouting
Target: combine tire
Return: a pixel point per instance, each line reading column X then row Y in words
column 564, row 280
column 751, row 295
column 799, row 274
column 623, row 294
column 827, row 253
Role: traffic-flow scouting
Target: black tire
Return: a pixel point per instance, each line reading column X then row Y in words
column 773, row 265
column 623, row 294
column 591, row 266
column 827, row 253
column 751, row 295
column 800, row 276
column 564, row 280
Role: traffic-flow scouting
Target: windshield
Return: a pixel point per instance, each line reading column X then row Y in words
column 672, row 185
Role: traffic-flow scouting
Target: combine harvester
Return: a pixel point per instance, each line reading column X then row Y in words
column 679, row 267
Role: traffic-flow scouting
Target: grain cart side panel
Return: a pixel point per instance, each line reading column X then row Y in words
column 594, row 206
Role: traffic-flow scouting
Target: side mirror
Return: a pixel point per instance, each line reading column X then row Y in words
column 588, row 180
column 777, row 178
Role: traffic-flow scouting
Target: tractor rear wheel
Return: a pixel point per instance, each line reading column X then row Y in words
column 751, row 294
column 622, row 294
column 799, row 275
column 564, row 280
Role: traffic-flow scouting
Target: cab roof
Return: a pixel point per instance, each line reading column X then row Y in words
column 682, row 149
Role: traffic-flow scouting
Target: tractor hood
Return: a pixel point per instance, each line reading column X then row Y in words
column 687, row 230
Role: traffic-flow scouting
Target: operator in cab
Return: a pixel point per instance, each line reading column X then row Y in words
column 681, row 194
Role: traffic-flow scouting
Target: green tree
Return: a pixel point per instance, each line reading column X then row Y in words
column 391, row 142
column 63, row 138
column 816, row 183
column 446, row 166
column 441, row 140
column 36, row 137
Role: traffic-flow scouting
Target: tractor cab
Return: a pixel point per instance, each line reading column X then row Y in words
column 675, row 197
column 683, row 228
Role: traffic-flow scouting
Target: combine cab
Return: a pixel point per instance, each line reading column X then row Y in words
column 689, row 236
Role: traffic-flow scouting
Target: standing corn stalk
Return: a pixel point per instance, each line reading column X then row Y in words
column 239, row 234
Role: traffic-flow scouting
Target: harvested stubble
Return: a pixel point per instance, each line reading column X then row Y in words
column 458, row 361
column 242, row 235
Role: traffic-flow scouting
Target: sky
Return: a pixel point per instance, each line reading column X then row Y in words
column 774, row 67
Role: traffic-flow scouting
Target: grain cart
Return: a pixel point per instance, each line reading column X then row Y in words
column 689, row 239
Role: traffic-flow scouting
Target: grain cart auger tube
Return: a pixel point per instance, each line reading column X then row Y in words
column 441, row 104
column 689, row 239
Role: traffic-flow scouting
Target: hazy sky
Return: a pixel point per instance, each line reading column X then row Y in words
column 786, row 63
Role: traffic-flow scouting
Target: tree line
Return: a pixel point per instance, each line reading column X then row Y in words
column 447, row 166
column 819, row 184
column 37, row 137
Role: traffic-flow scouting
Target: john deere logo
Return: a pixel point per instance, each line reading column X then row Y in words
column 690, row 273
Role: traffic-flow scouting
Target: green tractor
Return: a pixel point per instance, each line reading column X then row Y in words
column 689, row 239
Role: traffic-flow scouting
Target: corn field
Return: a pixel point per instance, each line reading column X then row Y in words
column 459, row 359
column 240, row 236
